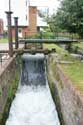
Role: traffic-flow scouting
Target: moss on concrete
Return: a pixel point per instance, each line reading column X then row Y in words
column 0, row 90
column 56, row 75
column 56, row 99
column 54, row 91
column 13, row 85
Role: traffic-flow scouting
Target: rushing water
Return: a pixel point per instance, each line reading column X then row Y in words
column 33, row 104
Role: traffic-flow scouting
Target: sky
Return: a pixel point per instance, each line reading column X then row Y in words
column 19, row 7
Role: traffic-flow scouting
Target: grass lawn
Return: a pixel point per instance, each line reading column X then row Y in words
column 4, row 40
column 80, row 45
column 59, row 50
column 74, row 71
column 64, row 55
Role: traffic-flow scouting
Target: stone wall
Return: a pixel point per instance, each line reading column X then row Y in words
column 70, row 101
column 7, row 75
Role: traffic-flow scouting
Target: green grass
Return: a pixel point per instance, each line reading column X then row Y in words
column 4, row 40
column 74, row 71
column 80, row 45
column 59, row 50
column 63, row 54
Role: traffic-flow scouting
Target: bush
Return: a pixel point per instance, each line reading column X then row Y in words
column 42, row 35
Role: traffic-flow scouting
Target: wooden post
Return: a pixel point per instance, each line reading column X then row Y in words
column 16, row 32
column 9, row 33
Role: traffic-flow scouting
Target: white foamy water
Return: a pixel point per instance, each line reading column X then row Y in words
column 33, row 106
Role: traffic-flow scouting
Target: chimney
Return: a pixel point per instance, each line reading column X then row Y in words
column 33, row 19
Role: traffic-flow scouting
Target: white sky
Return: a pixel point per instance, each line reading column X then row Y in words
column 20, row 10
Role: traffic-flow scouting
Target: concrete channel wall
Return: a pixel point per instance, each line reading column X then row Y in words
column 69, row 102
column 8, row 80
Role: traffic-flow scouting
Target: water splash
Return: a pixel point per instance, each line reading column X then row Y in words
column 33, row 71
column 33, row 104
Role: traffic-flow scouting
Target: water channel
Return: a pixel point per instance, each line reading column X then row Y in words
column 33, row 104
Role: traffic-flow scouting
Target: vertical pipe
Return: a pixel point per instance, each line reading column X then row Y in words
column 16, row 32
column 9, row 33
column 9, row 5
column 1, row 59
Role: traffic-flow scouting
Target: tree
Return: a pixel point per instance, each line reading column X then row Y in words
column 69, row 16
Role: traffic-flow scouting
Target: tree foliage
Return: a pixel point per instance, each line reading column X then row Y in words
column 69, row 16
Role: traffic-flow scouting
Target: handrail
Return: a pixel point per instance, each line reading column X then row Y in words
column 47, row 41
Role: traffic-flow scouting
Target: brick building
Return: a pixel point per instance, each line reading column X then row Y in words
column 1, row 28
column 32, row 27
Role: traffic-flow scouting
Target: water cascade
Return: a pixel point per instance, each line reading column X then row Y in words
column 33, row 104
